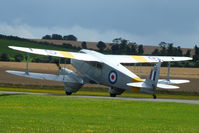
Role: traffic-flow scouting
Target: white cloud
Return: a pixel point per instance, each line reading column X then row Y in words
column 86, row 34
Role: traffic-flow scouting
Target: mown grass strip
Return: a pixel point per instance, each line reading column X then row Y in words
column 102, row 93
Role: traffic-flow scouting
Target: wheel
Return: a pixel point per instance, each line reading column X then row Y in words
column 112, row 95
column 154, row 96
column 68, row 93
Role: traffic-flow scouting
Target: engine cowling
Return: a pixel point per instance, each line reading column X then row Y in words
column 75, row 82
column 72, row 87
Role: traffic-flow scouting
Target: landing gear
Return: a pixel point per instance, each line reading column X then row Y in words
column 68, row 93
column 154, row 96
column 112, row 95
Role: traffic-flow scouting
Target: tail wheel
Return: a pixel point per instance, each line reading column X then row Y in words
column 68, row 93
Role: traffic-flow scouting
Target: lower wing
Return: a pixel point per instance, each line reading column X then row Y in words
column 59, row 78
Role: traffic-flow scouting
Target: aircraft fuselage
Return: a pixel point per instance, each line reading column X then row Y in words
column 109, row 73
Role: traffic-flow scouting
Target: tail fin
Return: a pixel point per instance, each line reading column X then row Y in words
column 150, row 84
column 153, row 77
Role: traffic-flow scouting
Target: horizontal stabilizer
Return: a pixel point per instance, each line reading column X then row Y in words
column 163, row 86
column 59, row 78
column 144, row 85
column 139, row 85
column 173, row 81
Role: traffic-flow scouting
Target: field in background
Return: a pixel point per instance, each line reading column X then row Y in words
column 11, row 80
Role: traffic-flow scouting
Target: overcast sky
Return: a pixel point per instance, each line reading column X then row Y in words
column 146, row 22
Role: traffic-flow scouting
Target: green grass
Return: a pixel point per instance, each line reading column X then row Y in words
column 34, row 113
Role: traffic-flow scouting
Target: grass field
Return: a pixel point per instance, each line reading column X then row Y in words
column 34, row 113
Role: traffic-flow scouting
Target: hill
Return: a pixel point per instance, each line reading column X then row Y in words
column 4, row 43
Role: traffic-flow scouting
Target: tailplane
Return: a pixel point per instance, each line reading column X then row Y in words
column 150, row 84
column 152, row 81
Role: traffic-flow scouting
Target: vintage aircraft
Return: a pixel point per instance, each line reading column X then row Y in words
column 97, row 68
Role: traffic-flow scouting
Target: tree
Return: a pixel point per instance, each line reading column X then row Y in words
column 134, row 48
column 117, row 40
column 57, row 37
column 196, row 55
column 101, row 45
column 188, row 53
column 19, row 57
column 163, row 51
column 170, row 49
column 162, row 44
column 84, row 45
column 128, row 49
column 179, row 51
column 70, row 38
column 140, row 49
column 47, row 37
column 4, row 57
column 196, row 50
column 115, row 49
column 156, row 52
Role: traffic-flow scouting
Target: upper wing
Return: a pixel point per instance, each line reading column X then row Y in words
column 145, row 59
column 56, row 53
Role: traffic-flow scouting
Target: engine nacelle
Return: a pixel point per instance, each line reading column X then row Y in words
column 72, row 87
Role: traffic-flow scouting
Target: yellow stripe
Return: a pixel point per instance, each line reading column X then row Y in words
column 137, row 79
column 139, row 58
column 135, row 89
column 66, row 54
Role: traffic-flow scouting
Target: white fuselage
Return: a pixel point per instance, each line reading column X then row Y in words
column 108, row 72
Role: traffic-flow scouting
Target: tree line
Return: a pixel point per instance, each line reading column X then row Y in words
column 118, row 46
column 60, row 37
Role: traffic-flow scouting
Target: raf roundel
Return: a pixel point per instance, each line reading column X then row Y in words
column 112, row 77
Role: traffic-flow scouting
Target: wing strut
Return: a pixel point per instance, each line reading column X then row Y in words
column 64, row 67
column 134, row 67
column 168, row 74
column 140, row 69
column 27, row 62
